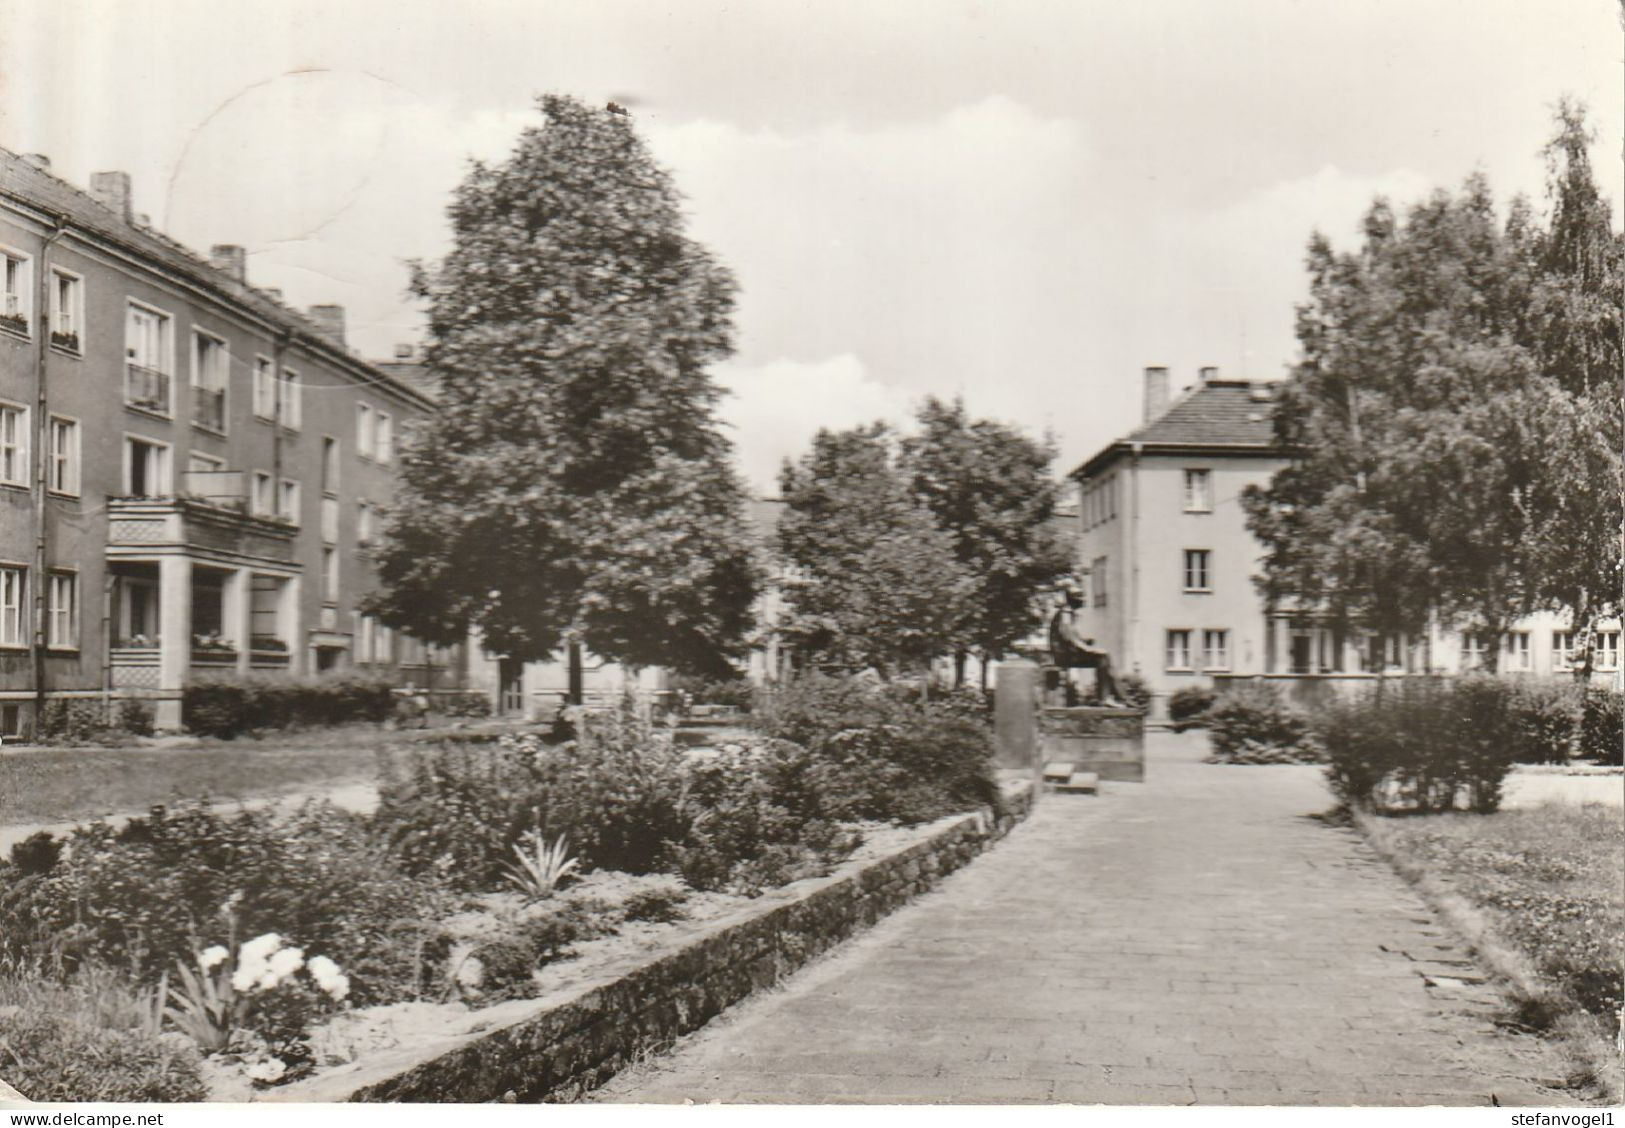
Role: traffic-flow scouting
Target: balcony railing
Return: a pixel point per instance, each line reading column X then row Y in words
column 146, row 388
column 209, row 408
column 220, row 488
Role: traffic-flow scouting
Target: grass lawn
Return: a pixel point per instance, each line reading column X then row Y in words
column 59, row 784
column 1546, row 882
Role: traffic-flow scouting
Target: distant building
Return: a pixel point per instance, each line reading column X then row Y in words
column 190, row 471
column 1168, row 563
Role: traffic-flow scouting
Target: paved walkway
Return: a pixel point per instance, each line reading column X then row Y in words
column 1200, row 938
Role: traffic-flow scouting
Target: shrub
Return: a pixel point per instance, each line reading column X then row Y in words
column 135, row 717
column 68, row 721
column 1422, row 745
column 756, row 818
column 1602, row 726
column 508, row 962
column 91, row 1039
column 1186, row 706
column 226, row 708
column 738, row 692
column 886, row 756
column 36, row 854
column 1543, row 715
column 1251, row 722
column 466, row 705
column 660, row 905
column 149, row 896
column 458, row 811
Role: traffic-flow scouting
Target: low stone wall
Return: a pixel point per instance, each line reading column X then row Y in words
column 558, row 1049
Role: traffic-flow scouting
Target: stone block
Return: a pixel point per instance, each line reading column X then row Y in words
column 1107, row 742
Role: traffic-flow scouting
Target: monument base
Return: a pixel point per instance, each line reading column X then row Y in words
column 1108, row 742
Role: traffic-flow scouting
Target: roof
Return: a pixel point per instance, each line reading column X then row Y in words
column 33, row 187
column 1213, row 416
column 411, row 373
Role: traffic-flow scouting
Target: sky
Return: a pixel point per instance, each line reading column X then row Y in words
column 1024, row 203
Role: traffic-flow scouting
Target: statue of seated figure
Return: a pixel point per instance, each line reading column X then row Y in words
column 1069, row 650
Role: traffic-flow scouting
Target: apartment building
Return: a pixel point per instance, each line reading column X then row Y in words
column 190, row 471
column 1168, row 563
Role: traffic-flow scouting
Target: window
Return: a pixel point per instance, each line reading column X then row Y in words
column 288, row 502
column 1216, row 650
column 147, row 356
column 262, row 503
column 62, row 475
column 363, row 430
column 67, row 309
column 210, row 365
column 16, row 284
column 330, row 520
column 363, row 522
column 384, row 440
column 1196, row 569
column 1198, row 491
column 384, row 646
column 367, row 632
column 330, row 466
column 11, row 607
column 1518, row 651
column 1472, row 652
column 1097, row 573
column 1562, row 650
column 13, row 445
column 330, row 575
column 1179, row 650
column 288, row 389
column 264, row 388
column 146, row 468
column 62, row 610
column 1607, row 651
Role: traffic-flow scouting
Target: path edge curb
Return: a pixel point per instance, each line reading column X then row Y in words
column 558, row 1051
column 1583, row 1041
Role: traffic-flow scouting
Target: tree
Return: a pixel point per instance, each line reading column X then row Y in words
column 1455, row 446
column 575, row 485
column 989, row 487
column 873, row 581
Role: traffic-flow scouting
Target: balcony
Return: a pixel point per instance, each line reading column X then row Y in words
column 146, row 388
column 209, row 408
column 217, row 522
column 222, row 489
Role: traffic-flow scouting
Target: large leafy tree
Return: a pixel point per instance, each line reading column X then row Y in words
column 872, row 581
column 575, row 486
column 1454, row 420
column 989, row 487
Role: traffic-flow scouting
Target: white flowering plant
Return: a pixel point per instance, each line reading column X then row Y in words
column 268, row 991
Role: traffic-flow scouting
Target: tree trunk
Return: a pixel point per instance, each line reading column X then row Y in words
column 575, row 693
column 959, row 669
column 984, row 663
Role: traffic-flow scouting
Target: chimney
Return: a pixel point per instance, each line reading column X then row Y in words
column 112, row 189
column 39, row 161
column 329, row 321
column 272, row 292
column 1207, row 375
column 1156, row 393
column 228, row 258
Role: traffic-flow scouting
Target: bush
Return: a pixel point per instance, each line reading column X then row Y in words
column 92, row 1039
column 758, row 816
column 466, row 705
column 615, row 793
column 226, row 708
column 1186, row 706
column 1251, row 722
column 508, row 962
column 152, row 894
column 135, row 717
column 887, row 756
column 1422, row 745
column 1542, row 716
column 1602, row 726
column 658, row 905
column 67, row 721
column 738, row 692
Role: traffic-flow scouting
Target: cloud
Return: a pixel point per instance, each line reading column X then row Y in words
column 774, row 409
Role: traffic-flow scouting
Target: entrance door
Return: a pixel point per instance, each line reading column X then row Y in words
column 327, row 658
column 511, row 686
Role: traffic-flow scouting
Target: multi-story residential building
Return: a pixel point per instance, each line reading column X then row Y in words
column 190, row 471
column 1168, row 563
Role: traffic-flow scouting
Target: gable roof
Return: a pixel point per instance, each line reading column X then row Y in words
column 34, row 188
column 1218, row 417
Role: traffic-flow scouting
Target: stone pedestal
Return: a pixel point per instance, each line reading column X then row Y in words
column 1015, row 708
column 1108, row 742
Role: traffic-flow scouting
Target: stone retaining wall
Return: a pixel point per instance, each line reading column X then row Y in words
column 561, row 1049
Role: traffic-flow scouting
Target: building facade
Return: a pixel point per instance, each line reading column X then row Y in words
column 190, row 471
column 1167, row 564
